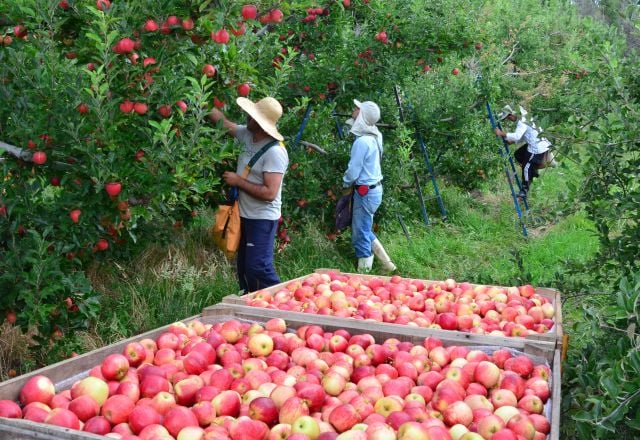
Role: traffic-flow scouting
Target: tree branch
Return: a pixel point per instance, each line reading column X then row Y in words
column 513, row 51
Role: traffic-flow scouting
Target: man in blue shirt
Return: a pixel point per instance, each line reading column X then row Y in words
column 365, row 174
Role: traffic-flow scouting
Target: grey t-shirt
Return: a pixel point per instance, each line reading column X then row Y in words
column 274, row 160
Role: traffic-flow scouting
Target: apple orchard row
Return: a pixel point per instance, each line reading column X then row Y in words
column 449, row 305
column 238, row 380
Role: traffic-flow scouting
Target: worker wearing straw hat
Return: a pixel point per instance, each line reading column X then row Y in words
column 260, row 193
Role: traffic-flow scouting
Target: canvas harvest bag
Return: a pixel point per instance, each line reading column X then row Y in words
column 344, row 210
column 226, row 229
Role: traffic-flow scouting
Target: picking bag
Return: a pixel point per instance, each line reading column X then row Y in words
column 226, row 228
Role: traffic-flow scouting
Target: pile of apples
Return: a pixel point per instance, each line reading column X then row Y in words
column 244, row 381
column 448, row 305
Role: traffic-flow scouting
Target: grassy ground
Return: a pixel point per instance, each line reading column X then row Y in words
column 481, row 242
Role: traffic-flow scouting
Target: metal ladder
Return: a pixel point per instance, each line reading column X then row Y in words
column 427, row 161
column 511, row 173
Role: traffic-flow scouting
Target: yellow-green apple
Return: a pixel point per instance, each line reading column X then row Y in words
column 39, row 388
column 506, row 412
column 260, row 344
column 458, row 375
column 489, row 425
column 263, row 409
column 548, row 310
column 114, row 367
column 531, row 403
column 487, row 374
column 306, row 425
column 91, row 386
column 97, row 425
column 63, row 417
column 502, row 397
column 471, row 436
column 281, row 431
column 177, row 418
column 84, row 407
column 343, row 417
column 457, row 431
column 388, row 404
column 413, row 431
column 116, row 409
column 291, row 409
column 333, row 383
column 11, row 410
column 522, row 425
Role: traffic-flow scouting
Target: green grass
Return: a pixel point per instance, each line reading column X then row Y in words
column 481, row 243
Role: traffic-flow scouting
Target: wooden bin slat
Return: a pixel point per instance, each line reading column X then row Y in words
column 554, row 335
column 64, row 373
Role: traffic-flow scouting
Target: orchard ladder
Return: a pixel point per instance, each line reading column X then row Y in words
column 427, row 161
column 511, row 173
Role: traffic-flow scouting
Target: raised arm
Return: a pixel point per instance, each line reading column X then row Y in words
column 216, row 115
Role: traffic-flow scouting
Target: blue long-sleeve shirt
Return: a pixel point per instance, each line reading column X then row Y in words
column 364, row 164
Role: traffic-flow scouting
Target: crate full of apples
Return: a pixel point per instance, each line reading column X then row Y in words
column 226, row 377
column 518, row 311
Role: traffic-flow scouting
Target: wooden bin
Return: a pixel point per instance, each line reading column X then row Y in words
column 65, row 373
column 554, row 336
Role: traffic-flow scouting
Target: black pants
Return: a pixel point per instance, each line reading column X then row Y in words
column 255, row 255
column 530, row 163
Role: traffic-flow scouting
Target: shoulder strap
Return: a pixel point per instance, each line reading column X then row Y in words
column 258, row 155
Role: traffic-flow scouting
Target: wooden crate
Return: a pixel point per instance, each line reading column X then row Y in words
column 65, row 373
column 554, row 336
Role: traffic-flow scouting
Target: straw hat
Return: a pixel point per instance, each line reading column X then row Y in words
column 265, row 112
column 506, row 111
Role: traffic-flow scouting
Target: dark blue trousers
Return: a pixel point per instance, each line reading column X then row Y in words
column 255, row 255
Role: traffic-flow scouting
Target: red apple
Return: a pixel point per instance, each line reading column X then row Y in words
column 64, row 418
column 10, row 409
column 39, row 388
column 116, row 409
